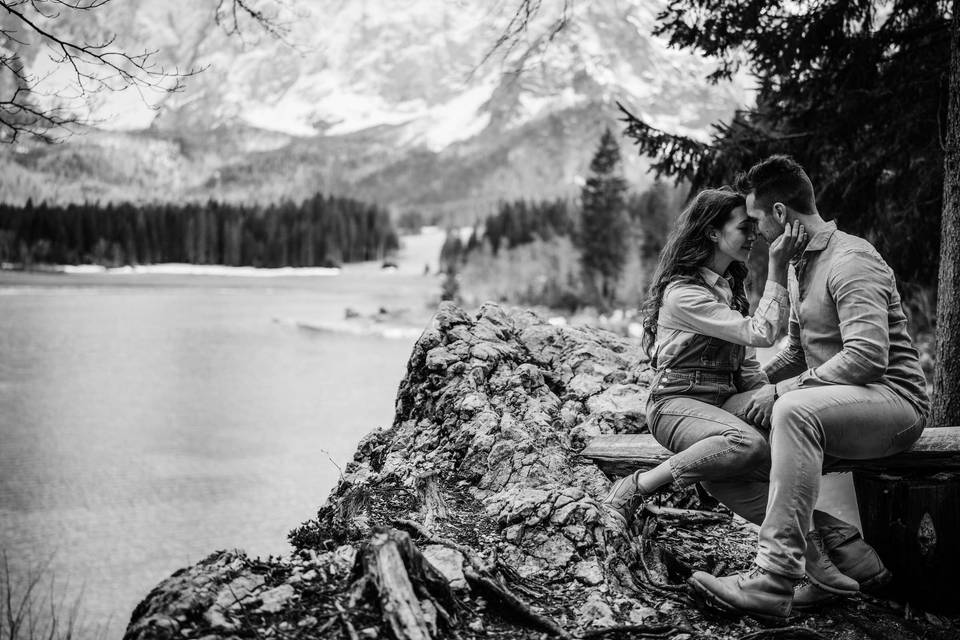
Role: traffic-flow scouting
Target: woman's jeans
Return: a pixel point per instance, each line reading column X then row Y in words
column 709, row 442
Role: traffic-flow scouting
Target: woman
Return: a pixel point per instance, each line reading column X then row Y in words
column 695, row 330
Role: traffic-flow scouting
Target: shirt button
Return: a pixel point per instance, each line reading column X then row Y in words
column 666, row 370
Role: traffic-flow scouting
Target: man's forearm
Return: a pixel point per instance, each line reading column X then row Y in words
column 789, row 362
column 859, row 363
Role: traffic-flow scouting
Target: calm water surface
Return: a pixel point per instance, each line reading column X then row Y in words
column 147, row 421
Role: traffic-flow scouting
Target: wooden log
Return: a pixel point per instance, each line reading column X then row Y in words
column 399, row 605
column 691, row 516
column 938, row 449
column 413, row 595
column 914, row 524
column 432, row 503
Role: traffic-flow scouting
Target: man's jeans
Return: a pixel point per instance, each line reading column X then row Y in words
column 841, row 421
column 809, row 425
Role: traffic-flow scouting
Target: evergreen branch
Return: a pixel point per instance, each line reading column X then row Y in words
column 676, row 156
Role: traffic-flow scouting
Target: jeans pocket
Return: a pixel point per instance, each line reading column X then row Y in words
column 675, row 384
column 905, row 438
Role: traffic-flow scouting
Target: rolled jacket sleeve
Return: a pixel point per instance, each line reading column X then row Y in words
column 694, row 308
column 860, row 284
column 751, row 374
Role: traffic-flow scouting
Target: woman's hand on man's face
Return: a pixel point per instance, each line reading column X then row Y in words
column 789, row 244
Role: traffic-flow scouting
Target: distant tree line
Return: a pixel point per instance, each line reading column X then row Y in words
column 603, row 227
column 320, row 231
column 520, row 222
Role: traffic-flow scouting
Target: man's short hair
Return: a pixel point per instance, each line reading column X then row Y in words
column 779, row 178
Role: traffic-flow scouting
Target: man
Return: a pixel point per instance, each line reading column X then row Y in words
column 848, row 385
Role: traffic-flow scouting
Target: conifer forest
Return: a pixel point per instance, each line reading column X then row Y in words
column 320, row 231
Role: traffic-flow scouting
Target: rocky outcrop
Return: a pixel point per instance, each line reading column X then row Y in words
column 473, row 513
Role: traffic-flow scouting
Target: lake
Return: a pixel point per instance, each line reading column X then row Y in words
column 148, row 420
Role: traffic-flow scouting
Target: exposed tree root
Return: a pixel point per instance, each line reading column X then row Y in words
column 498, row 591
column 478, row 575
column 347, row 625
column 785, row 633
column 421, row 532
column 642, row 630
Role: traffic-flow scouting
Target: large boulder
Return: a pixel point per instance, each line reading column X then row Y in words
column 479, row 470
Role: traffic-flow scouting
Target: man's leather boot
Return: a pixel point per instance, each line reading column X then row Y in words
column 808, row 597
column 858, row 560
column 823, row 573
column 758, row 593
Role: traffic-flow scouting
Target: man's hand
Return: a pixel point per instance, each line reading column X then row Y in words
column 759, row 408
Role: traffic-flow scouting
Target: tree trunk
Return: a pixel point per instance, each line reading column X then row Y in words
column 914, row 524
column 946, row 377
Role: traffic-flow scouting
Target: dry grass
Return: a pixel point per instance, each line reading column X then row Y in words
column 33, row 607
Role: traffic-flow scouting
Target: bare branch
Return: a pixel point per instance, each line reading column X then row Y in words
column 93, row 66
column 231, row 14
column 520, row 24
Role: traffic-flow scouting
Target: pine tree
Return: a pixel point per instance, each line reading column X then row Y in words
column 604, row 228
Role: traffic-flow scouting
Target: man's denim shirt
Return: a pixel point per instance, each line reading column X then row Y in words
column 847, row 325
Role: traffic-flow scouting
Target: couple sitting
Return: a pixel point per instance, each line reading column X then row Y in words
column 847, row 385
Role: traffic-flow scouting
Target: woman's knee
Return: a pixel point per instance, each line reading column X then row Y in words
column 752, row 448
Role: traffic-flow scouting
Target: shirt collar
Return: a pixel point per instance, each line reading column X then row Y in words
column 820, row 239
column 711, row 277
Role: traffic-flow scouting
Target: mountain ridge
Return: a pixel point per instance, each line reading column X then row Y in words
column 392, row 106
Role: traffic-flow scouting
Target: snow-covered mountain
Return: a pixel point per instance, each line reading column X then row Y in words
column 383, row 99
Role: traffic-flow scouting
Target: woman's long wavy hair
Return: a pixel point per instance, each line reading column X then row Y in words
column 687, row 249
